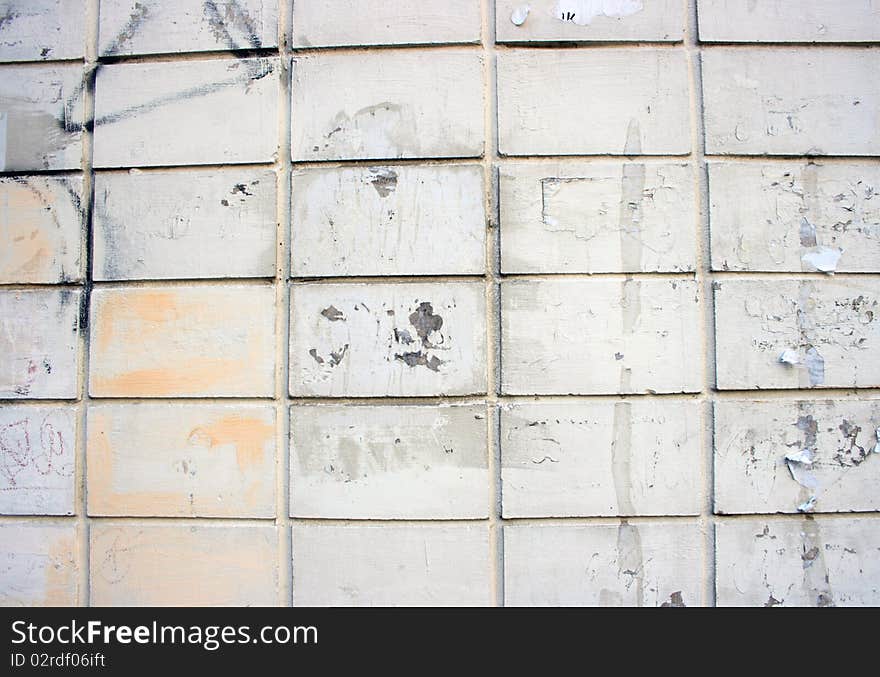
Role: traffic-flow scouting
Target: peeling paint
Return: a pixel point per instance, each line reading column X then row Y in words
column 823, row 259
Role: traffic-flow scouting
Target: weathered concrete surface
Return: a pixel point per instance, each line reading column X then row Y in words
column 38, row 30
column 38, row 566
column 41, row 229
column 136, row 565
column 390, row 565
column 811, row 333
column 183, row 342
column 39, row 332
column 180, row 460
column 193, row 224
column 569, row 217
column 599, row 336
column 37, row 459
column 389, row 462
column 373, row 340
column 388, row 220
column 615, row 102
column 572, row 459
column 798, row 562
column 653, row 564
column 791, row 216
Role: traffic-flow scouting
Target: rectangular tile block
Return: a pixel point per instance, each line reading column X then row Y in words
column 136, row 565
column 631, row 457
column 588, row 20
column 41, row 117
column 178, row 341
column 37, row 30
column 571, row 217
column 187, row 113
column 600, row 336
column 798, row 562
column 791, row 102
column 400, row 220
column 157, row 26
column 797, row 333
column 375, row 340
column 181, row 460
column 37, row 460
column 786, row 216
column 389, row 462
column 39, row 564
column 585, row 102
column 781, row 21
column 377, row 22
column 217, row 223
column 390, row 105
column 656, row 564
column 41, row 229
column 424, row 565
column 804, row 455
column 39, row 332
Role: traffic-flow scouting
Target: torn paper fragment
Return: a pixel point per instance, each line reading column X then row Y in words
column 518, row 16
column 582, row 12
column 815, row 364
column 808, row 505
column 789, row 356
column 802, row 456
column 823, row 259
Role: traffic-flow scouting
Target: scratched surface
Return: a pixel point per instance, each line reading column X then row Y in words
column 571, row 459
column 805, row 562
column 181, row 460
column 654, row 564
column 830, row 327
column 41, row 229
column 390, row 565
column 157, row 26
column 37, row 564
column 389, row 462
column 37, row 460
column 38, row 30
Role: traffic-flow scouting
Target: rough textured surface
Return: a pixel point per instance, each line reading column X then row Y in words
column 588, row 20
column 614, row 102
column 135, row 565
column 41, row 229
column 181, row 460
column 390, row 105
column 388, row 220
column 783, row 21
column 373, row 340
column 177, row 225
column 158, row 26
column 41, row 117
column 787, row 102
column 37, row 565
column 389, row 462
column 183, row 341
column 39, row 331
column 603, row 565
column 830, row 327
column 424, row 565
column 40, row 30
column 629, row 457
column 572, row 217
column 794, row 211
column 804, row 562
column 379, row 22
column 599, row 336
column 37, row 460
column 193, row 112
column 756, row 440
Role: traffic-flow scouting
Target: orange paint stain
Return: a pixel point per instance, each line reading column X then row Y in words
column 249, row 436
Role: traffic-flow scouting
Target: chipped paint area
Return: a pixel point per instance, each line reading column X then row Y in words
column 388, row 339
column 808, row 562
column 582, row 12
column 388, row 462
column 37, row 564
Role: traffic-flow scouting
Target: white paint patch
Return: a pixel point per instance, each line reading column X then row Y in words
column 789, row 356
column 518, row 16
column 823, row 258
column 582, row 12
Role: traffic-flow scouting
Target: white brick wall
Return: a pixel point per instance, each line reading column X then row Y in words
column 478, row 302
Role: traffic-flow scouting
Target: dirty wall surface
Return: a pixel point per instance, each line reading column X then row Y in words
column 560, row 302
